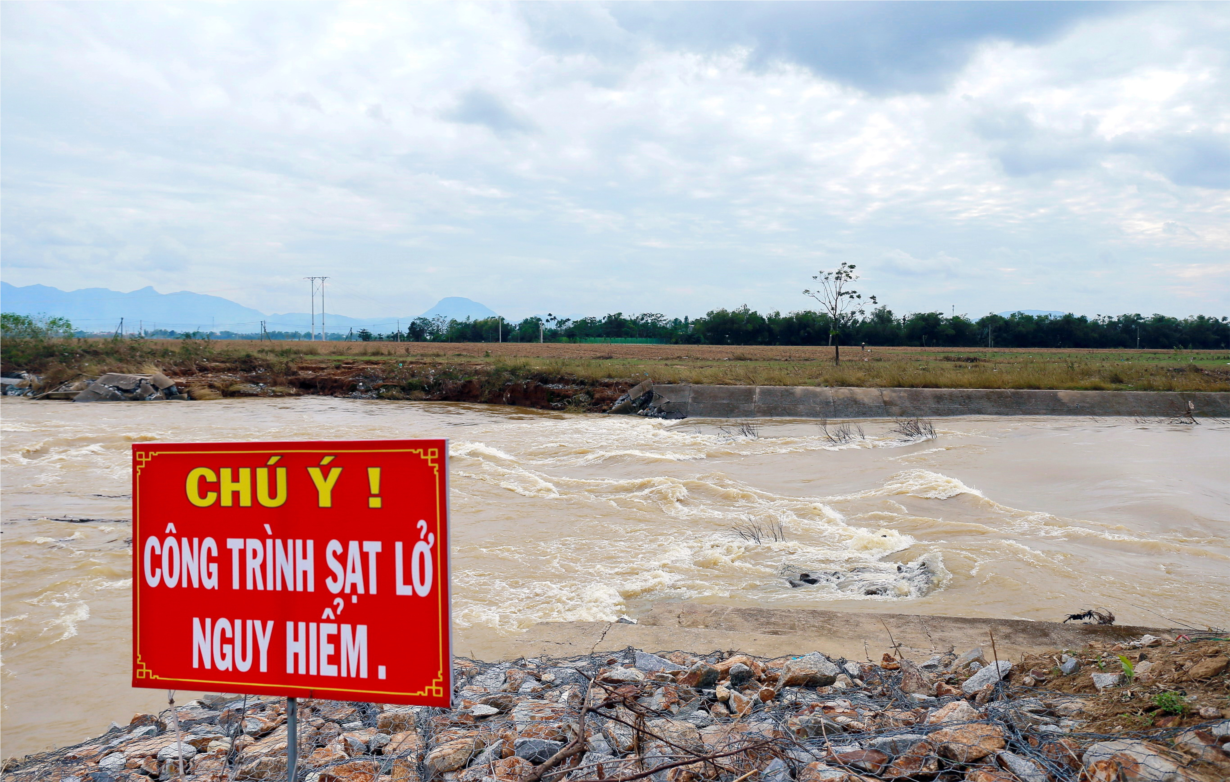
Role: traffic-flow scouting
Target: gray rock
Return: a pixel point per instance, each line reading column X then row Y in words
column 598, row 745
column 171, row 752
column 492, row 679
column 353, row 725
column 854, row 669
column 376, row 743
column 1001, row 709
column 611, row 766
column 113, row 762
column 921, row 700
column 1022, row 712
column 354, row 746
column 623, row 676
column 777, row 771
column 810, row 670
column 895, row 745
column 1105, row 680
column 1069, row 665
column 566, row 675
column 536, row 751
column 619, row 737
column 818, row 724
column 975, row 666
column 480, row 710
column 934, row 664
column 652, row 662
column 698, row 717
column 973, row 655
column 740, row 675
column 986, row 675
column 1024, row 768
column 489, row 755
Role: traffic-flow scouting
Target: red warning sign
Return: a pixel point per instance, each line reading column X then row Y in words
column 303, row 569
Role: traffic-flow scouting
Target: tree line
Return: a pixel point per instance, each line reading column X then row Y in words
column 744, row 326
column 879, row 327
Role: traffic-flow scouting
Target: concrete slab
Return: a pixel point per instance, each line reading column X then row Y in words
column 857, row 403
column 700, row 401
column 768, row 632
column 722, row 402
column 844, row 632
column 675, row 398
column 792, row 402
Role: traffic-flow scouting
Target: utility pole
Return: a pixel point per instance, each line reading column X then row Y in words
column 312, row 283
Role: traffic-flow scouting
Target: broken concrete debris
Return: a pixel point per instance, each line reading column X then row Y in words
column 642, row 400
column 670, row 717
column 18, row 384
column 116, row 387
column 111, row 387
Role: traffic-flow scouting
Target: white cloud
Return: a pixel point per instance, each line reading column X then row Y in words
column 419, row 151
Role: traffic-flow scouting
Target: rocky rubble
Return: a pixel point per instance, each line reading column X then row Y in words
column 117, row 387
column 110, row 387
column 676, row 717
column 642, row 400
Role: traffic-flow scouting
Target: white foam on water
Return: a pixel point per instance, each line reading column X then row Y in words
column 77, row 613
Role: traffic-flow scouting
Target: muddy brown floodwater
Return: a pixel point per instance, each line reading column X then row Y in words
column 578, row 517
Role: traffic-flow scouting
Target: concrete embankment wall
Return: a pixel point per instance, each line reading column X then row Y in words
column 698, row 401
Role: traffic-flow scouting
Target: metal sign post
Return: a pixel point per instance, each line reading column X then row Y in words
column 292, row 738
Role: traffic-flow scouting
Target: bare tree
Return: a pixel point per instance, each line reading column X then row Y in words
column 839, row 300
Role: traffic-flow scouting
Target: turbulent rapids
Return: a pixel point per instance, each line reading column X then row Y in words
column 561, row 517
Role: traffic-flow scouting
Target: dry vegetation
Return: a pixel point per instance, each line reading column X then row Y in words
column 486, row 371
column 760, row 365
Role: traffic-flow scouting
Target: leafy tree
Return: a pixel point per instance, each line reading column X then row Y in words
column 14, row 326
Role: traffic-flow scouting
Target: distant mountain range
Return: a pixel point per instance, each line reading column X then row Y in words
column 1035, row 313
column 100, row 310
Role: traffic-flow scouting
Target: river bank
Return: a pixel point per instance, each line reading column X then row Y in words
column 591, row 377
column 1148, row 709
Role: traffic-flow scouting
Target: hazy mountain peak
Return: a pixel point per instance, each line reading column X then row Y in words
column 459, row 308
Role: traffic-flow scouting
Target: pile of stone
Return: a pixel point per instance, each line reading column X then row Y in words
column 671, row 718
column 117, row 387
column 18, row 384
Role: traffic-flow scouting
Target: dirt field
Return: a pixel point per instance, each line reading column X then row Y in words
column 761, row 353
column 588, row 377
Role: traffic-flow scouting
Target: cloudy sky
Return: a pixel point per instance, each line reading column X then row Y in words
column 587, row 158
